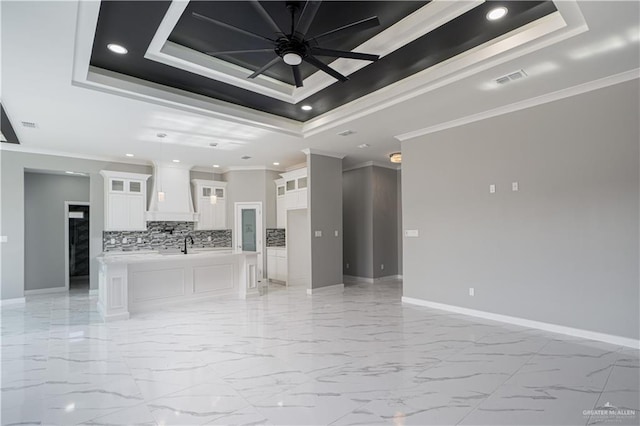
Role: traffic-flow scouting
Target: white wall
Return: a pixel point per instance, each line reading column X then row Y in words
column 564, row 248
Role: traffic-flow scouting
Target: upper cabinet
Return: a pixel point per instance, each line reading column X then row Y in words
column 295, row 189
column 210, row 201
column 125, row 201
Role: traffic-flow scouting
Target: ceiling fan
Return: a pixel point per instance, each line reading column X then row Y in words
column 294, row 47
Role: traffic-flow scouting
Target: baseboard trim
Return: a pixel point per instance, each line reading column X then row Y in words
column 330, row 289
column 554, row 328
column 14, row 301
column 353, row 278
column 45, row 291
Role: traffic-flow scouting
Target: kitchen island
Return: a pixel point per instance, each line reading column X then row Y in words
column 130, row 282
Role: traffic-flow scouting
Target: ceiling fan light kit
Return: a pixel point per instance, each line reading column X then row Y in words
column 295, row 47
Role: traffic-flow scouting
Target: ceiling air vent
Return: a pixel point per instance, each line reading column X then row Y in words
column 29, row 124
column 245, row 157
column 346, row 133
column 516, row 75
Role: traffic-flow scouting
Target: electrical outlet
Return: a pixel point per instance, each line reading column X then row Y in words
column 492, row 189
column 382, row 266
column 347, row 266
column 514, row 186
column 472, row 291
column 318, row 234
column 3, row 239
column 335, row 233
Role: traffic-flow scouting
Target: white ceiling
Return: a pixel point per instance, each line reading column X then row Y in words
column 38, row 42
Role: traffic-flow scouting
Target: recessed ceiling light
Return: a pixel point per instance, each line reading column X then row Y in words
column 346, row 133
column 306, row 107
column 161, row 135
column 129, row 155
column 216, row 166
column 213, row 144
column 176, row 161
column 364, row 145
column 497, row 13
column 116, row 48
column 276, row 164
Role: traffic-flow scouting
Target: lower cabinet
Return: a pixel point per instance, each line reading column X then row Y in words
column 277, row 263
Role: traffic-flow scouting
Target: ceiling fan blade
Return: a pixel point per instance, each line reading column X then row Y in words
column 233, row 52
column 265, row 67
column 267, row 18
column 296, row 75
column 321, row 66
column 230, row 27
column 344, row 54
column 306, row 18
column 365, row 24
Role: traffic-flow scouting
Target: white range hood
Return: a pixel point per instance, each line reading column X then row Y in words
column 174, row 181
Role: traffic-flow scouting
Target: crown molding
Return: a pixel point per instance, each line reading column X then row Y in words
column 41, row 151
column 527, row 103
column 309, row 151
column 249, row 168
column 372, row 164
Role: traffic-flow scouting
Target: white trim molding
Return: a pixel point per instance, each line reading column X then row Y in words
column 14, row 301
column 330, row 289
column 45, row 291
column 309, row 151
column 373, row 163
column 527, row 103
column 554, row 328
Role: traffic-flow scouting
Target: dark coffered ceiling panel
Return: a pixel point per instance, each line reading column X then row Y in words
column 133, row 24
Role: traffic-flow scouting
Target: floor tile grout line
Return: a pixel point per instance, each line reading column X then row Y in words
column 604, row 386
column 506, row 380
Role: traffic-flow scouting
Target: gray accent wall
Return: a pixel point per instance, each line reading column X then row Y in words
column 44, row 198
column 325, row 214
column 357, row 198
column 370, row 218
column 12, row 222
column 564, row 248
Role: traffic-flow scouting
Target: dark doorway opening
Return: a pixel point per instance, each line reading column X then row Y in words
column 78, row 247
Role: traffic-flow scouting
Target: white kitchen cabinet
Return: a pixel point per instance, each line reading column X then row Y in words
column 210, row 216
column 125, row 201
column 277, row 263
column 295, row 189
column 281, row 211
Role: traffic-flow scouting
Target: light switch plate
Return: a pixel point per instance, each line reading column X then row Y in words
column 514, row 186
column 3, row 239
column 472, row 291
column 335, row 233
column 411, row 233
column 492, row 189
column 318, row 234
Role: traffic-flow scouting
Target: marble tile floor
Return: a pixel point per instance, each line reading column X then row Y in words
column 285, row 358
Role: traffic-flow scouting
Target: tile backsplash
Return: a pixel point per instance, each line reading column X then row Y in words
column 276, row 237
column 164, row 235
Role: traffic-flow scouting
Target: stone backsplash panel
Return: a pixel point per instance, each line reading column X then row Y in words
column 276, row 237
column 164, row 235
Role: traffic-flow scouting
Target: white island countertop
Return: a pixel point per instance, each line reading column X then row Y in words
column 162, row 256
column 141, row 280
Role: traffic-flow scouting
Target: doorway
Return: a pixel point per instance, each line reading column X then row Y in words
column 248, row 230
column 77, row 245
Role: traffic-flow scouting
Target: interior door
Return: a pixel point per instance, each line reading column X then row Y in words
column 248, row 231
